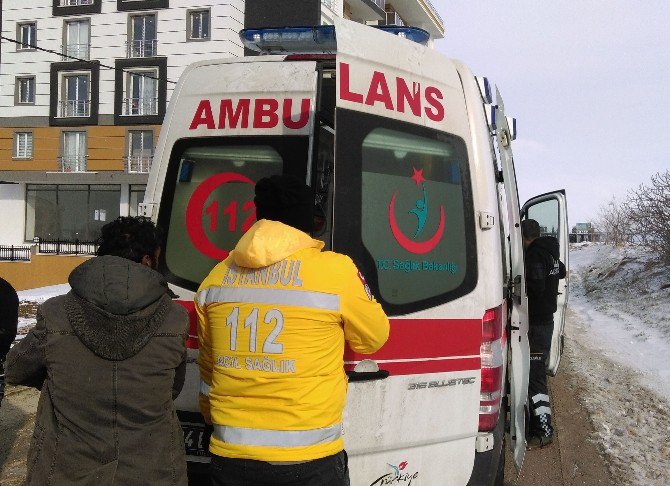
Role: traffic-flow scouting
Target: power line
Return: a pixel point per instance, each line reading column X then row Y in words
column 34, row 46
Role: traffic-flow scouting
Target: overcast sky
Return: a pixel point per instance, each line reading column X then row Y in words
column 588, row 83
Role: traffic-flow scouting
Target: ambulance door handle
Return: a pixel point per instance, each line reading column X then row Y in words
column 367, row 375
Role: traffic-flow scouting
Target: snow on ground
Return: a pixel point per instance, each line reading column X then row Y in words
column 618, row 342
column 28, row 302
column 43, row 293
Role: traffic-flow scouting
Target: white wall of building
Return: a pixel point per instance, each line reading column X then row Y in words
column 109, row 33
column 12, row 215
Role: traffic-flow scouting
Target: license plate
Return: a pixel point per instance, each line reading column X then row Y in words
column 196, row 439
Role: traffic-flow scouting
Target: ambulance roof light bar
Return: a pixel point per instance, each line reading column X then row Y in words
column 283, row 40
column 321, row 39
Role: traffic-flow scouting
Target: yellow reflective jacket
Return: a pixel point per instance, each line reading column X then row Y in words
column 272, row 321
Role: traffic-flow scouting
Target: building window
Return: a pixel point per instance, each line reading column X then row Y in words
column 128, row 5
column 27, row 35
column 75, row 95
column 23, row 145
column 77, row 42
column 140, row 150
column 76, row 7
column 198, row 25
column 25, row 91
column 136, row 197
column 141, row 93
column 142, row 36
column 70, row 212
column 74, row 152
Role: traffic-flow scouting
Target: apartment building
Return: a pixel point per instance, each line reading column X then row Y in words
column 84, row 86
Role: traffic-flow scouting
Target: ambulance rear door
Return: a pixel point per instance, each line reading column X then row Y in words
column 230, row 123
column 550, row 211
column 403, row 211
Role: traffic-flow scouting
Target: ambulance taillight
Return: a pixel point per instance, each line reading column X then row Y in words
column 492, row 358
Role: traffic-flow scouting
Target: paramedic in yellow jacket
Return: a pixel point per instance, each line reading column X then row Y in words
column 273, row 320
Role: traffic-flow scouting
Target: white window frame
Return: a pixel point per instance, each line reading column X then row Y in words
column 23, row 145
column 20, row 91
column 140, row 162
column 79, row 49
column 74, row 3
column 32, row 39
column 142, row 47
column 71, row 107
column 76, row 161
column 191, row 16
column 139, row 105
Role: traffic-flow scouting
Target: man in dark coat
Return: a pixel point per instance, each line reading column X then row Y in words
column 543, row 270
column 9, row 319
column 109, row 358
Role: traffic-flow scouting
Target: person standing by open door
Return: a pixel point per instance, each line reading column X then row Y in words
column 543, row 271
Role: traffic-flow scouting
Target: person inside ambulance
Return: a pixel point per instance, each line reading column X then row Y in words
column 273, row 319
column 543, row 271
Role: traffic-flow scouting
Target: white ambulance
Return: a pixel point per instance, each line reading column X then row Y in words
column 411, row 164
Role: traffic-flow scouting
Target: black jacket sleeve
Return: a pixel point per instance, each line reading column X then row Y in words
column 9, row 316
column 26, row 362
column 561, row 270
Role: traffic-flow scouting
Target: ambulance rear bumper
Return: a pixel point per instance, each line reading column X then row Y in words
column 487, row 463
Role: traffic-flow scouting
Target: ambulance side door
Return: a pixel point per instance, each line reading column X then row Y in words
column 550, row 211
column 519, row 362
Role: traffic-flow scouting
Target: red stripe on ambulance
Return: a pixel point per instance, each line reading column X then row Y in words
column 418, row 346
column 415, row 346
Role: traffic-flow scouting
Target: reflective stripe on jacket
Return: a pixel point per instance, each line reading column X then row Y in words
column 273, row 320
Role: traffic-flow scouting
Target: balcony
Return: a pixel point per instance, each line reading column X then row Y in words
column 417, row 13
column 138, row 164
column 392, row 18
column 142, row 48
column 74, row 3
column 80, row 51
column 139, row 107
column 73, row 163
column 74, row 108
column 367, row 10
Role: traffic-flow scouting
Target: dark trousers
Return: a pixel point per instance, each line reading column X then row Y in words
column 329, row 471
column 539, row 338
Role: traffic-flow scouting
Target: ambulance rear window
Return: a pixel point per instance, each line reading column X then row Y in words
column 208, row 198
column 416, row 227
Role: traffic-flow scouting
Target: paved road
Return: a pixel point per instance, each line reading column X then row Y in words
column 573, row 458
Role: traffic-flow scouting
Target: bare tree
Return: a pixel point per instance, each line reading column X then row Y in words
column 649, row 208
column 615, row 221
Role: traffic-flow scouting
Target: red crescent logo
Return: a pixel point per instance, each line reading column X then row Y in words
column 417, row 247
column 194, row 209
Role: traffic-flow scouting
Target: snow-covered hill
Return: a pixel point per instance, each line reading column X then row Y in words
column 618, row 346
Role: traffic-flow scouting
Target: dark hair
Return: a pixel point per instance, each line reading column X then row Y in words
column 530, row 229
column 129, row 237
column 287, row 199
